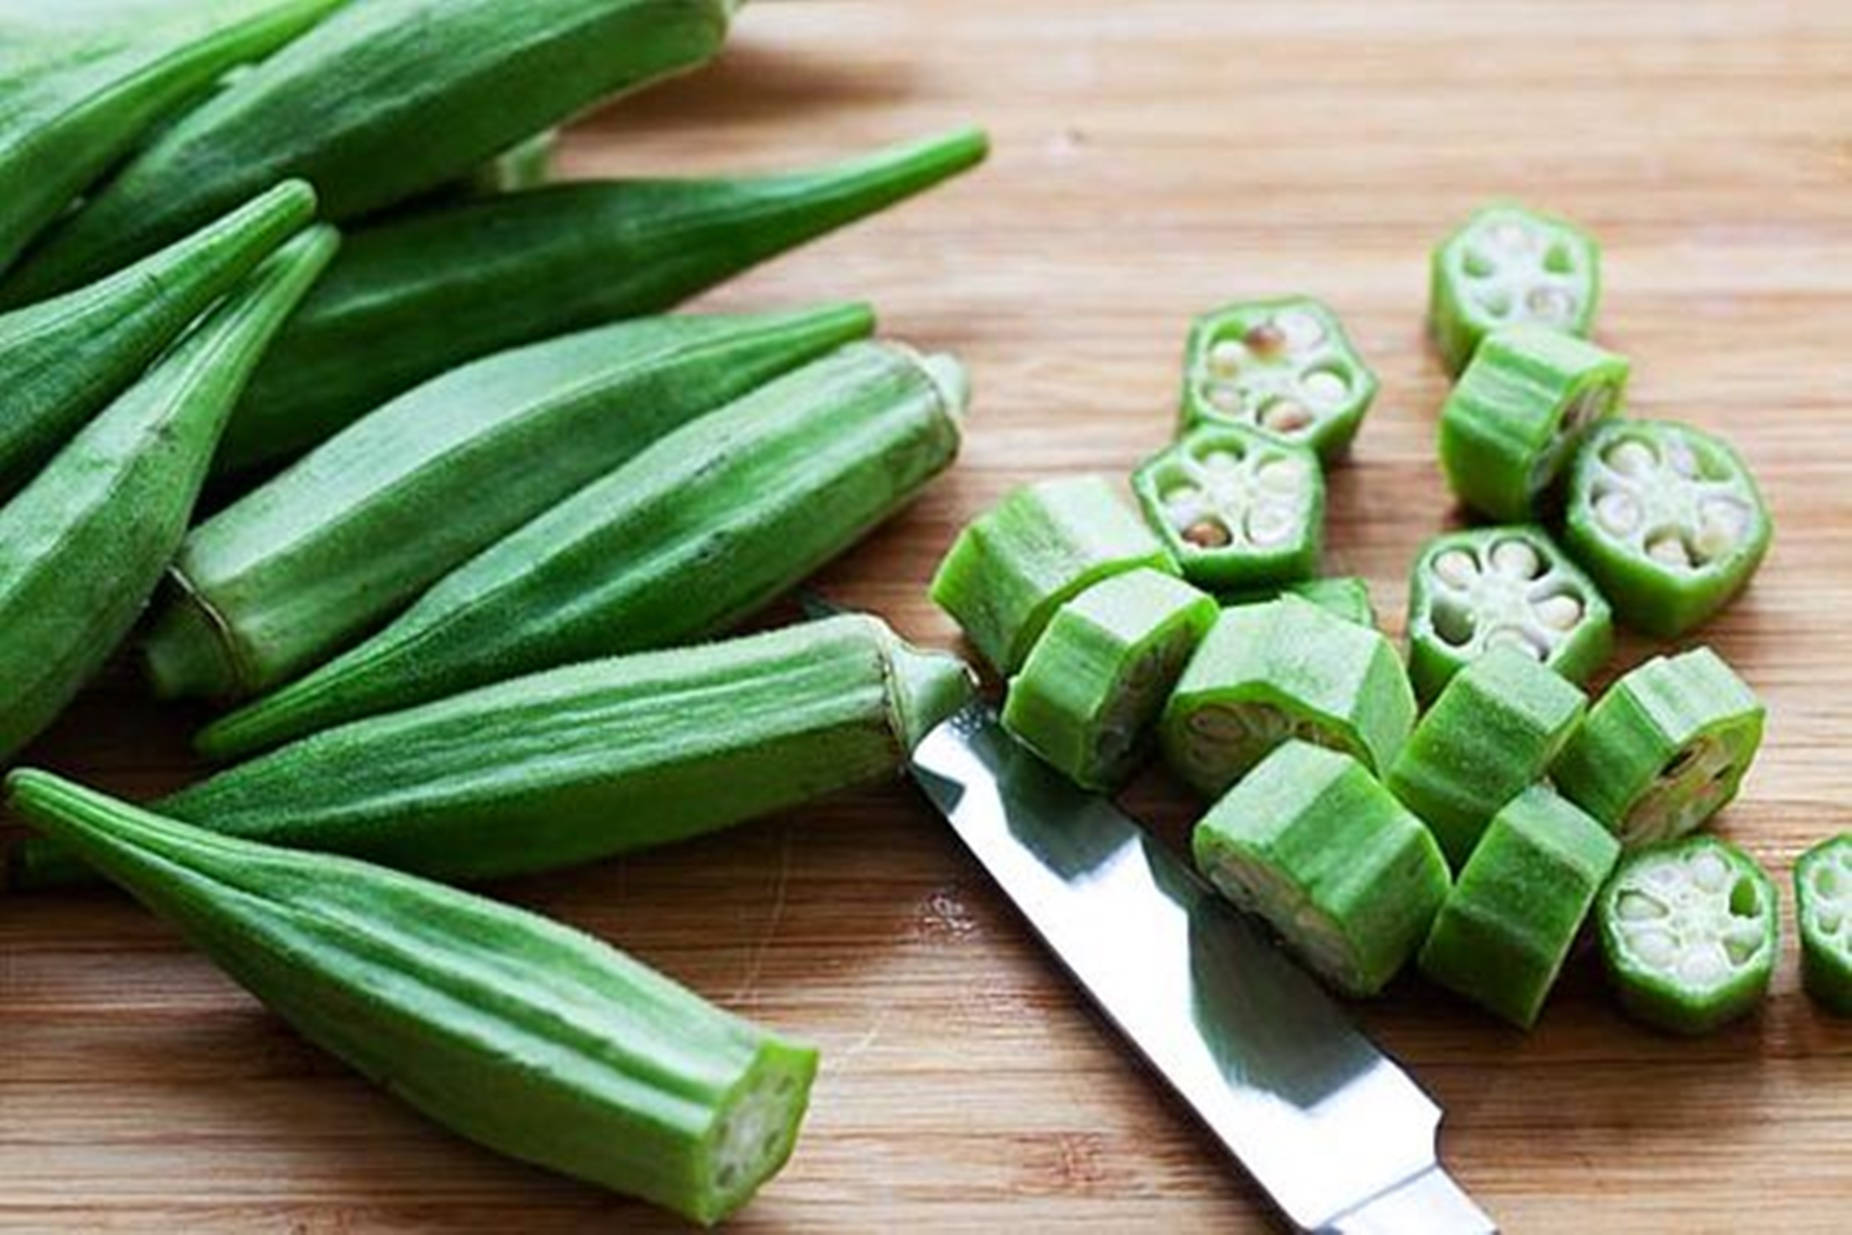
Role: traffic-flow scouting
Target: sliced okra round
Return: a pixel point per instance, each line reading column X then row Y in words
column 1494, row 730
column 1312, row 843
column 1042, row 545
column 1507, row 265
column 1238, row 507
column 1505, row 929
column 1823, row 899
column 1347, row 596
column 1284, row 366
column 1502, row 587
column 1667, row 519
column 1097, row 678
column 1520, row 409
column 1689, row 933
column 1286, row 669
column 1664, row 749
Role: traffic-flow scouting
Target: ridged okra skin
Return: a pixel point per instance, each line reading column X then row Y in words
column 424, row 292
column 1312, row 843
column 576, row 764
column 1823, row 909
column 1690, row 933
column 530, row 1038
column 1287, row 669
column 1664, row 749
column 1347, row 596
column 303, row 566
column 1493, row 731
column 381, row 101
column 1098, row 677
column 1520, row 410
column 83, row 546
column 699, row 530
column 66, row 358
column 1502, row 936
column 1668, row 520
column 1508, row 265
column 1038, row 548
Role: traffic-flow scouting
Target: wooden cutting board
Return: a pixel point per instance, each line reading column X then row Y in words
column 1152, row 159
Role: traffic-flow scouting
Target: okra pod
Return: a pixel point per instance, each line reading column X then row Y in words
column 700, row 529
column 424, row 292
column 302, row 567
column 82, row 546
column 1823, row 908
column 1507, row 265
column 1348, row 596
column 525, row 1036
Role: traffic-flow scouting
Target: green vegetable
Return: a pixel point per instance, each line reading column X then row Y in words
column 1664, row 749
column 1285, row 669
column 83, row 545
column 1668, row 520
column 1282, row 365
column 1099, row 675
column 1521, row 409
column 697, row 531
column 67, row 358
column 424, row 292
column 1823, row 892
column 1508, row 265
column 324, row 553
column 528, row 164
column 1310, row 842
column 1041, row 546
column 1688, row 930
column 1495, row 729
column 1506, row 928
column 528, row 1037
column 1501, row 587
column 1237, row 507
column 1348, row 596
column 381, row 101
column 576, row 764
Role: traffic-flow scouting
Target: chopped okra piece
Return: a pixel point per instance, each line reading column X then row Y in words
column 1503, row 934
column 1097, row 678
column 1517, row 415
column 1236, row 506
column 1312, row 843
column 1285, row 669
column 1823, row 894
column 1689, row 933
column 1502, row 587
column 1042, row 545
column 1282, row 365
column 1345, row 595
column 1508, row 265
column 1664, row 749
column 1495, row 729
column 1667, row 519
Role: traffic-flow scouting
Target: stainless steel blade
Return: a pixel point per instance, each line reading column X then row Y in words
column 1336, row 1133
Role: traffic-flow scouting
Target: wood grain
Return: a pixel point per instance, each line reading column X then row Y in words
column 1152, row 159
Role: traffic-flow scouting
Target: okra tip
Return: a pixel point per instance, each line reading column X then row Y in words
column 187, row 654
column 924, row 687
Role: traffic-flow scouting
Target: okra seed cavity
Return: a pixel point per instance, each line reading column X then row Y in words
column 1559, row 612
column 1302, row 330
column 1516, row 560
column 1325, row 386
column 1550, row 304
column 1619, row 512
column 1228, row 398
column 1208, row 533
column 1286, row 416
column 1236, row 506
column 1456, row 567
column 1226, row 358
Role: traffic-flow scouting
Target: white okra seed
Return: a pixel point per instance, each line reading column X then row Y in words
column 1619, row 512
column 1270, row 524
column 1325, row 386
column 1226, row 358
column 1228, row 398
column 1512, row 236
column 1300, row 329
column 1456, row 567
column 1636, row 906
column 1516, row 560
column 1667, row 548
column 1630, row 458
column 1679, row 458
column 1654, row 946
column 1282, row 476
column 1221, row 461
column 1286, row 416
column 1549, row 304
column 1559, row 612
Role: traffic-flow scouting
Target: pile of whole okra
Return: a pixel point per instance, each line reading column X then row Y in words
column 481, row 508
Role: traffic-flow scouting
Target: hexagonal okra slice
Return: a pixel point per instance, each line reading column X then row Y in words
column 1281, row 365
column 1043, row 544
column 1667, row 519
column 1097, row 678
column 1285, row 669
column 1501, row 587
column 1236, row 506
column 1518, row 413
column 1823, row 896
column 1347, row 596
column 1507, row 265
column 1664, row 749
column 1312, row 843
column 1495, row 729
column 1505, row 929
column 1688, row 930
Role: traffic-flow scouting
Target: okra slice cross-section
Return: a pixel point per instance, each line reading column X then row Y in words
column 1237, row 507
column 1823, row 900
column 1508, row 265
column 1688, row 930
column 1668, row 520
column 1282, row 365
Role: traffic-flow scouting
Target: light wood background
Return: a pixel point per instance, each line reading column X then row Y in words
column 1152, row 159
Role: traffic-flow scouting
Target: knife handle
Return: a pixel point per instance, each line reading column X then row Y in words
column 1426, row 1204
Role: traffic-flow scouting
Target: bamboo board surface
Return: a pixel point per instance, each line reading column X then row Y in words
column 1152, row 159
